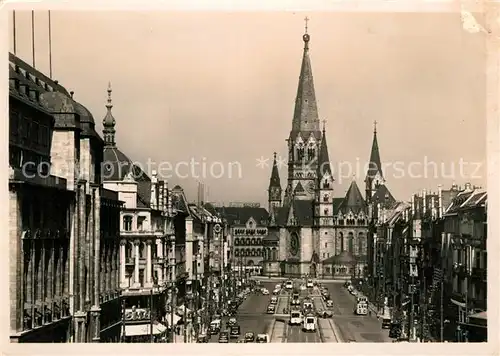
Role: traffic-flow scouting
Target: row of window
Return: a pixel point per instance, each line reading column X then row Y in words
column 254, row 252
column 127, row 223
column 247, row 242
column 28, row 130
column 249, row 231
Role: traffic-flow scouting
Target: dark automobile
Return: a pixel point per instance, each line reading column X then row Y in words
column 249, row 337
column 224, row 337
column 235, row 331
column 203, row 338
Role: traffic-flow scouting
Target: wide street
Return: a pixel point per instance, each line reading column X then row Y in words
column 251, row 316
column 354, row 328
column 344, row 326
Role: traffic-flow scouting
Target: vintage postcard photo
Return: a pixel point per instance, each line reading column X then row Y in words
column 247, row 177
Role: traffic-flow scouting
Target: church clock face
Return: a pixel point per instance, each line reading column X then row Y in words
column 294, row 244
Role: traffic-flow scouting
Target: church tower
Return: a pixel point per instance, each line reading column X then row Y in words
column 305, row 136
column 274, row 191
column 374, row 176
column 324, row 186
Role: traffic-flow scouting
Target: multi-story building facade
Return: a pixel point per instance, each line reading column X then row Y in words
column 430, row 262
column 150, row 232
column 63, row 223
column 247, row 223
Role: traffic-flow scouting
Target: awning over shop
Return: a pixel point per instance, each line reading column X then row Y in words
column 481, row 315
column 168, row 318
column 144, row 329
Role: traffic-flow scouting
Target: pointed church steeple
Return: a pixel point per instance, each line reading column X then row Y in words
column 323, row 158
column 274, row 192
column 305, row 117
column 375, row 163
column 109, row 122
column 374, row 174
column 275, row 175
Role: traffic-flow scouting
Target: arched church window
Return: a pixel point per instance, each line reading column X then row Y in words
column 341, row 238
column 325, row 198
column 350, row 241
column 326, row 211
column 341, row 221
column 300, row 152
column 326, row 184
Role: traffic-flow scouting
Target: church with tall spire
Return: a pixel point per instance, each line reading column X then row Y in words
column 312, row 232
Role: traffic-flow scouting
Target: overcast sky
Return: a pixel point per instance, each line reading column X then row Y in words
column 220, row 87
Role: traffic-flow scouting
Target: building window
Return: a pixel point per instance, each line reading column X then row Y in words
column 254, row 242
column 325, row 198
column 236, row 242
column 247, row 242
column 259, row 252
column 127, row 223
column 236, row 253
column 254, row 252
column 326, row 243
column 140, row 223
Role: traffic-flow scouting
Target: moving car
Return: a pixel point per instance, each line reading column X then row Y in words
column 295, row 299
column 203, row 338
column 308, row 304
column 271, row 309
column 235, row 332
column 215, row 326
column 224, row 337
column 274, row 299
column 295, row 317
column 249, row 337
column 386, row 318
column 309, row 324
column 361, row 308
column 278, row 286
column 289, row 285
column 276, row 291
column 309, row 284
column 232, row 322
column 264, row 291
column 262, row 338
column 329, row 303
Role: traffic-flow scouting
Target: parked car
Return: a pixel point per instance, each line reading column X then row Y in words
column 271, row 309
column 274, row 299
column 264, row 291
column 329, row 303
column 232, row 321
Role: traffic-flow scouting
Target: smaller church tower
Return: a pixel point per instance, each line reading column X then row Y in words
column 274, row 191
column 109, row 123
column 324, row 191
column 374, row 175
